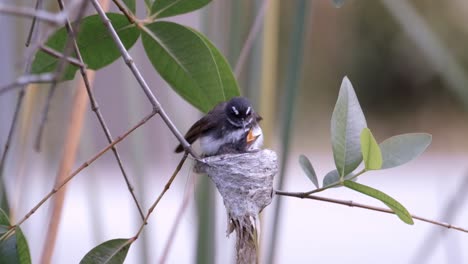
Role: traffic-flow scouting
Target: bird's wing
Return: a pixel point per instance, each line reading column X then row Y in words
column 207, row 122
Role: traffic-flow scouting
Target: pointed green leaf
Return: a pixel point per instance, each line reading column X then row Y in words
column 96, row 45
column 308, row 169
column 338, row 3
column 110, row 252
column 14, row 249
column 4, row 220
column 393, row 204
column 22, row 247
column 401, row 149
column 167, row 8
column 4, row 205
column 333, row 177
column 190, row 64
column 370, row 150
column 131, row 5
column 346, row 125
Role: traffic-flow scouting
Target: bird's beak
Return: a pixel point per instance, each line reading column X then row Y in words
column 251, row 137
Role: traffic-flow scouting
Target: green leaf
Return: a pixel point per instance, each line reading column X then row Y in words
column 393, row 204
column 96, row 46
column 346, row 125
column 167, row 8
column 4, row 205
column 188, row 61
column 14, row 249
column 308, row 169
column 22, row 247
column 338, row 3
column 370, row 150
column 110, row 252
column 131, row 5
column 333, row 177
column 4, row 220
column 401, row 149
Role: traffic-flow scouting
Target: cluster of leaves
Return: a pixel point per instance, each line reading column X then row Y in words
column 184, row 57
column 353, row 142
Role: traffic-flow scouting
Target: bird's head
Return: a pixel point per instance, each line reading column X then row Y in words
column 239, row 112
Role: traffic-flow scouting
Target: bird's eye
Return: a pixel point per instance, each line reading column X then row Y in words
column 247, row 113
column 234, row 110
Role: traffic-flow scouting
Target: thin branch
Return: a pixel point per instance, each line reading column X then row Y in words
column 175, row 226
column 248, row 44
column 19, row 103
column 61, row 67
column 27, row 79
column 368, row 207
column 166, row 187
column 129, row 61
column 125, row 11
column 82, row 167
column 60, row 55
column 33, row 24
column 45, row 116
column 53, row 18
column 95, row 109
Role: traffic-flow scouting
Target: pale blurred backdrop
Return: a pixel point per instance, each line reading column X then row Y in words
column 408, row 63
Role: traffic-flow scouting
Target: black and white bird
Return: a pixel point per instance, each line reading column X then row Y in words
column 231, row 126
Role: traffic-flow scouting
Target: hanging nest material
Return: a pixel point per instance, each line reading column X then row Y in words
column 245, row 181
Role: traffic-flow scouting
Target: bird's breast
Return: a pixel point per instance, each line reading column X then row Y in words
column 211, row 143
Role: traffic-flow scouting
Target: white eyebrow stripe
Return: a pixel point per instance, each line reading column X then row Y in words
column 234, row 109
column 248, row 111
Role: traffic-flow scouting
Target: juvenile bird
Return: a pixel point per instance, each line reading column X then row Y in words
column 231, row 126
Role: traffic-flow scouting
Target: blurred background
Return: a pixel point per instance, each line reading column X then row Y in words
column 408, row 63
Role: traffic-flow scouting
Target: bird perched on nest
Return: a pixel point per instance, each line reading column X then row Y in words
column 230, row 127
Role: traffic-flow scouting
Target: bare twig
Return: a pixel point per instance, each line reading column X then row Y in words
column 183, row 207
column 166, row 187
column 368, row 207
column 60, row 55
column 248, row 44
column 27, row 79
column 82, row 167
column 61, row 67
column 19, row 102
column 53, row 18
column 95, row 109
column 45, row 115
column 125, row 11
column 129, row 61
column 33, row 24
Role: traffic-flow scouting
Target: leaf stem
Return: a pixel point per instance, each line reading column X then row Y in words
column 336, row 184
